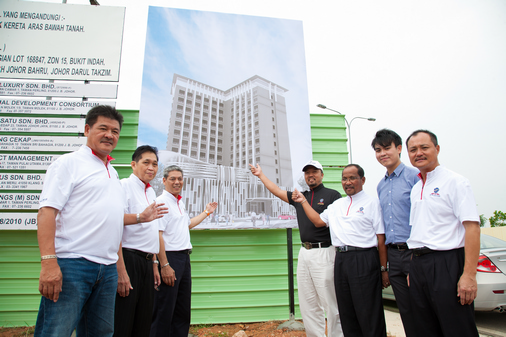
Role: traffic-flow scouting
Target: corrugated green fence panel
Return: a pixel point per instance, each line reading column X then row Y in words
column 127, row 143
column 19, row 277
column 328, row 138
column 240, row 275
column 329, row 141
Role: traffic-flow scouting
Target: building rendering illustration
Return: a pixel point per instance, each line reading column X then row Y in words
column 232, row 128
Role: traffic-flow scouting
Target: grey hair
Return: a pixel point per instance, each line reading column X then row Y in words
column 170, row 169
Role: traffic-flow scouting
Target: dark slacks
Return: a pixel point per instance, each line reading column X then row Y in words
column 133, row 313
column 433, row 282
column 171, row 312
column 357, row 281
column 399, row 261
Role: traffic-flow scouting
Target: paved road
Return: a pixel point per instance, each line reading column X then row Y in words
column 489, row 323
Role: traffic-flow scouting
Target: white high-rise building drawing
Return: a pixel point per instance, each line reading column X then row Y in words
column 243, row 125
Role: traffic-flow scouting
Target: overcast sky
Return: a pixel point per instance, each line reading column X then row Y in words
column 436, row 64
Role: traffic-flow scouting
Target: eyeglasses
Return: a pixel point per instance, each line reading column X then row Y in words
column 352, row 179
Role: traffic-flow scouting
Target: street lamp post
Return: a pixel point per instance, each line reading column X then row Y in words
column 321, row 106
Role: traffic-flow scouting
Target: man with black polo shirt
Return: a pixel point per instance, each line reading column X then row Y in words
column 315, row 267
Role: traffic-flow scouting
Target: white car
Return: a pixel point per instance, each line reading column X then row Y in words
column 491, row 276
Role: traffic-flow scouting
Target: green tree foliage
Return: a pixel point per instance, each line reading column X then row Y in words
column 498, row 219
column 483, row 220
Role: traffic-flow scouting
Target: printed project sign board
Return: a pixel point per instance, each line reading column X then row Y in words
column 33, row 88
column 44, row 106
column 25, row 181
column 40, row 143
column 26, row 161
column 68, row 42
column 19, row 200
column 40, row 124
column 18, row 220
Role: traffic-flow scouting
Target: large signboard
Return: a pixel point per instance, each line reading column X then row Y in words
column 44, row 106
column 214, row 126
column 40, row 143
column 26, row 161
column 54, row 41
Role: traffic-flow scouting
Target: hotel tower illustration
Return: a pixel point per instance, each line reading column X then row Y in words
column 216, row 133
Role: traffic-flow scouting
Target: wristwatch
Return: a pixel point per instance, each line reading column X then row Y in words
column 384, row 268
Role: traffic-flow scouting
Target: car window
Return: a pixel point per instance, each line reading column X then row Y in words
column 488, row 241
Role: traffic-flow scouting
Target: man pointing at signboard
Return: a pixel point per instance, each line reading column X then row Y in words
column 315, row 267
column 80, row 223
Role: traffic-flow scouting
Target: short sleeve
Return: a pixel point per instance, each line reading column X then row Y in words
column 58, row 186
column 325, row 216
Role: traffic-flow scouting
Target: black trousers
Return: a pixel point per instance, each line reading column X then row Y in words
column 171, row 312
column 357, row 280
column 133, row 313
column 433, row 282
column 399, row 261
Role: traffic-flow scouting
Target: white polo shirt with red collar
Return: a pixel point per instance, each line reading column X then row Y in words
column 91, row 203
column 175, row 224
column 142, row 236
column 354, row 221
column 439, row 206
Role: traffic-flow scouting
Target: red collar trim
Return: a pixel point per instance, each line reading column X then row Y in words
column 109, row 158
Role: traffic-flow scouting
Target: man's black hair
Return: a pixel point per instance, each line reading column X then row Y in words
column 104, row 111
column 432, row 136
column 385, row 137
column 359, row 169
column 137, row 155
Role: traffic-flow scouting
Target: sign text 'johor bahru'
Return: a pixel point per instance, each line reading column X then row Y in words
column 40, row 143
column 60, row 41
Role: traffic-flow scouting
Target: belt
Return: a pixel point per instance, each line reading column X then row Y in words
column 185, row 251
column 422, row 251
column 398, row 246
column 147, row 256
column 310, row 245
column 344, row 249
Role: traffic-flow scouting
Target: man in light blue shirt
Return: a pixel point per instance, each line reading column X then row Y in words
column 394, row 194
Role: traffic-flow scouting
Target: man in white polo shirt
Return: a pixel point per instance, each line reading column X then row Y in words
column 171, row 312
column 137, row 265
column 80, row 223
column 445, row 241
column 356, row 229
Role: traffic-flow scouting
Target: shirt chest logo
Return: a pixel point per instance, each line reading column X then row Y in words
column 321, row 202
column 435, row 194
column 361, row 210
